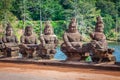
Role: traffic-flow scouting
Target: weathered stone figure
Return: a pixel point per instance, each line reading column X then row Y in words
column 98, row 37
column 10, row 41
column 48, row 41
column 28, row 43
column 2, row 46
column 99, row 44
column 72, row 45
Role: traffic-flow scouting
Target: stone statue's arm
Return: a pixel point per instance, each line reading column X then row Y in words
column 67, row 42
column 36, row 40
column 103, row 39
column 16, row 40
column 22, row 39
column 42, row 40
column 92, row 36
column 4, row 39
column 81, row 38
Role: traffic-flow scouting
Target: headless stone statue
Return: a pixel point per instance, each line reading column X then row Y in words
column 48, row 41
column 10, row 42
column 28, row 43
column 72, row 45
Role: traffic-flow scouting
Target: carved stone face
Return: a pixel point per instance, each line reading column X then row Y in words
column 72, row 29
column 99, row 28
column 73, row 25
column 47, row 31
column 28, row 31
column 9, row 31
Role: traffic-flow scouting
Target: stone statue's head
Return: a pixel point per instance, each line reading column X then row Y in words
column 73, row 25
column 48, row 28
column 99, row 19
column 28, row 30
column 48, row 24
column 99, row 25
column 99, row 28
column 9, row 30
column 48, row 31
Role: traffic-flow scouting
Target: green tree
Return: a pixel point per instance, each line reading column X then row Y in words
column 5, row 14
column 107, row 7
column 108, row 23
column 21, row 9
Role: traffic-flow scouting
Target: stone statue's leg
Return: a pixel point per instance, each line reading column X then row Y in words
column 23, row 52
column 34, row 54
column 63, row 48
column 52, row 52
column 5, row 53
column 29, row 53
column 14, row 53
column 8, row 50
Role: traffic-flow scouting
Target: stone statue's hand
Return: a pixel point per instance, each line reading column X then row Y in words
column 25, row 46
column 43, row 45
column 72, row 48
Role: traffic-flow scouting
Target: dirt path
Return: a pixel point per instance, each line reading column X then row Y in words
column 11, row 71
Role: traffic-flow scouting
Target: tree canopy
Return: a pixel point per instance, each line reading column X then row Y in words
column 85, row 11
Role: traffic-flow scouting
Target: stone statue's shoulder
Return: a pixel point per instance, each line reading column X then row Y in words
column 34, row 35
column 14, row 35
column 66, row 33
column 54, row 35
column 41, row 35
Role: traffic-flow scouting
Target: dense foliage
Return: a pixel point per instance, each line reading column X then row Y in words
column 29, row 12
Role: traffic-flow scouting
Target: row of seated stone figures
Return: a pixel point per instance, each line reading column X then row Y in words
column 72, row 45
column 29, row 46
column 97, row 48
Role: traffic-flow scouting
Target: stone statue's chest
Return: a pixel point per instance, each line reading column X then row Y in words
column 10, row 38
column 49, row 39
column 74, row 37
column 30, row 40
column 99, row 36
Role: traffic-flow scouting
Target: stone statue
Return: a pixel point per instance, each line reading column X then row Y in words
column 10, row 42
column 99, row 44
column 48, row 41
column 28, row 43
column 1, row 48
column 98, row 37
column 72, row 45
